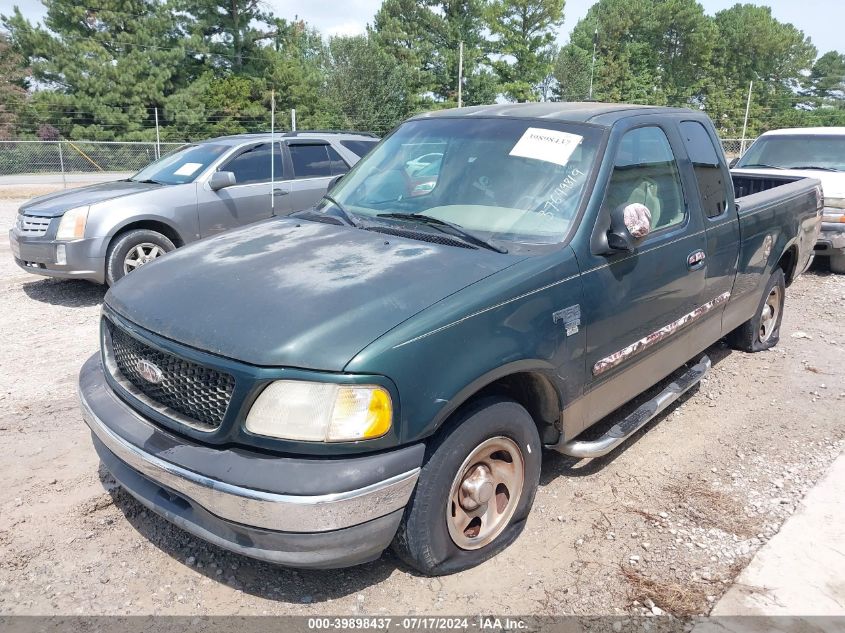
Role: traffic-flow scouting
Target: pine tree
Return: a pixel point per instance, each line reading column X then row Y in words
column 105, row 69
column 526, row 33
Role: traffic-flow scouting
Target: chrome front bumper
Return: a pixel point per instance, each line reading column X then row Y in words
column 297, row 529
column 285, row 513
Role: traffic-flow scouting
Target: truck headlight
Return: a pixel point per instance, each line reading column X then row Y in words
column 72, row 225
column 321, row 412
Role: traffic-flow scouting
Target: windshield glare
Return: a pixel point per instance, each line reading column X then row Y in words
column 506, row 178
column 797, row 151
column 182, row 166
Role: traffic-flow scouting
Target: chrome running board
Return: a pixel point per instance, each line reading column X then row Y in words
column 636, row 420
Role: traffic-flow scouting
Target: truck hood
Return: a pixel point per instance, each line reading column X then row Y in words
column 294, row 293
column 833, row 183
column 55, row 204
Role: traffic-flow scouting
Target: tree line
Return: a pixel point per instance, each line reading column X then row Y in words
column 109, row 69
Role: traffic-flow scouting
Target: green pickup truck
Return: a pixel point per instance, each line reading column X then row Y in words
column 388, row 367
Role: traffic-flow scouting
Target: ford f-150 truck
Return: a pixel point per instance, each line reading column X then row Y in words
column 388, row 366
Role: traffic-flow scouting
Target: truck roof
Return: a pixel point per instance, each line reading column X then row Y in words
column 807, row 131
column 575, row 111
column 236, row 139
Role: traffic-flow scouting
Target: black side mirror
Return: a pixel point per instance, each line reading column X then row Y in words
column 733, row 162
column 221, row 179
column 334, row 181
column 629, row 224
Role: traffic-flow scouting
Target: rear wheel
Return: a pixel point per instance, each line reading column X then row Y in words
column 475, row 489
column 762, row 331
column 133, row 249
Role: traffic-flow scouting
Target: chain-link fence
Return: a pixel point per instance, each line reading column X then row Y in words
column 59, row 157
column 734, row 147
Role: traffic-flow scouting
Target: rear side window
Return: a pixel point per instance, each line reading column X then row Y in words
column 359, row 148
column 339, row 165
column 310, row 161
column 253, row 165
column 707, row 167
column 645, row 172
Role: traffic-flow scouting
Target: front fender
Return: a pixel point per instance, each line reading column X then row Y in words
column 174, row 206
column 502, row 325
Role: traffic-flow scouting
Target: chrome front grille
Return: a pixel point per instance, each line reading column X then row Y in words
column 184, row 391
column 32, row 225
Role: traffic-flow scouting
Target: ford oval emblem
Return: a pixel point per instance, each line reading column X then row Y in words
column 149, row 372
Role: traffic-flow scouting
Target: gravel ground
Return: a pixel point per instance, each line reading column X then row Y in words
column 662, row 524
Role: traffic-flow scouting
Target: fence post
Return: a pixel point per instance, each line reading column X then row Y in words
column 62, row 165
column 158, row 139
column 745, row 121
column 293, row 119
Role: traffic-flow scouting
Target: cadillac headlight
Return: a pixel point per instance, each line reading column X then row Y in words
column 72, row 225
column 321, row 412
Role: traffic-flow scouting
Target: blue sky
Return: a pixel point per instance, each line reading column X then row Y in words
column 822, row 20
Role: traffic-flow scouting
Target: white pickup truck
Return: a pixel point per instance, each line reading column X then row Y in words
column 791, row 154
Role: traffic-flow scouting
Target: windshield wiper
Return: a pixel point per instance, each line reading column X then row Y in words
column 453, row 228
column 759, row 165
column 813, row 167
column 150, row 181
column 348, row 217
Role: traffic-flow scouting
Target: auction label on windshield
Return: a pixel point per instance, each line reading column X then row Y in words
column 551, row 146
column 187, row 169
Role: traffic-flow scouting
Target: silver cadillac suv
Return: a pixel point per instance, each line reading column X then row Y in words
column 105, row 231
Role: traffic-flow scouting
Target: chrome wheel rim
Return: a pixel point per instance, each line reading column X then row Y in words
column 769, row 314
column 485, row 493
column 139, row 255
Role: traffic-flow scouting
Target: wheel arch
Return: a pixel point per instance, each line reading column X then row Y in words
column 150, row 224
column 788, row 262
column 527, row 383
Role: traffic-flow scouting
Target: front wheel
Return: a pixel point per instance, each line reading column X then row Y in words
column 762, row 331
column 837, row 263
column 134, row 249
column 474, row 491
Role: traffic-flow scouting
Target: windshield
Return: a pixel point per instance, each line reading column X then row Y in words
column 182, row 166
column 507, row 179
column 797, row 152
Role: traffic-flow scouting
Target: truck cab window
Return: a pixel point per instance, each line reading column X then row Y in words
column 707, row 168
column 253, row 165
column 645, row 172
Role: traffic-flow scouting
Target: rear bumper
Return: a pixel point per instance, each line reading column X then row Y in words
column 335, row 527
column 78, row 259
column 831, row 238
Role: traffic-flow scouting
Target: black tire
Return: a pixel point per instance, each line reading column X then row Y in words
column 748, row 337
column 123, row 243
column 837, row 263
column 423, row 540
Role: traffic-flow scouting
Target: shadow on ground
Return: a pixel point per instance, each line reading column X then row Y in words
column 254, row 577
column 557, row 464
column 70, row 293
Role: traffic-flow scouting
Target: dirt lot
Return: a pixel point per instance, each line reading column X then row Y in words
column 668, row 520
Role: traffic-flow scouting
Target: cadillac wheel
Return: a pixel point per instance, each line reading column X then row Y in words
column 133, row 249
column 475, row 489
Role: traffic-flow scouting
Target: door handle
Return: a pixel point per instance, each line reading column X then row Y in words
column 280, row 192
column 695, row 260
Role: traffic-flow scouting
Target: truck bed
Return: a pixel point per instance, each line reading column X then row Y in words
column 746, row 184
column 777, row 214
